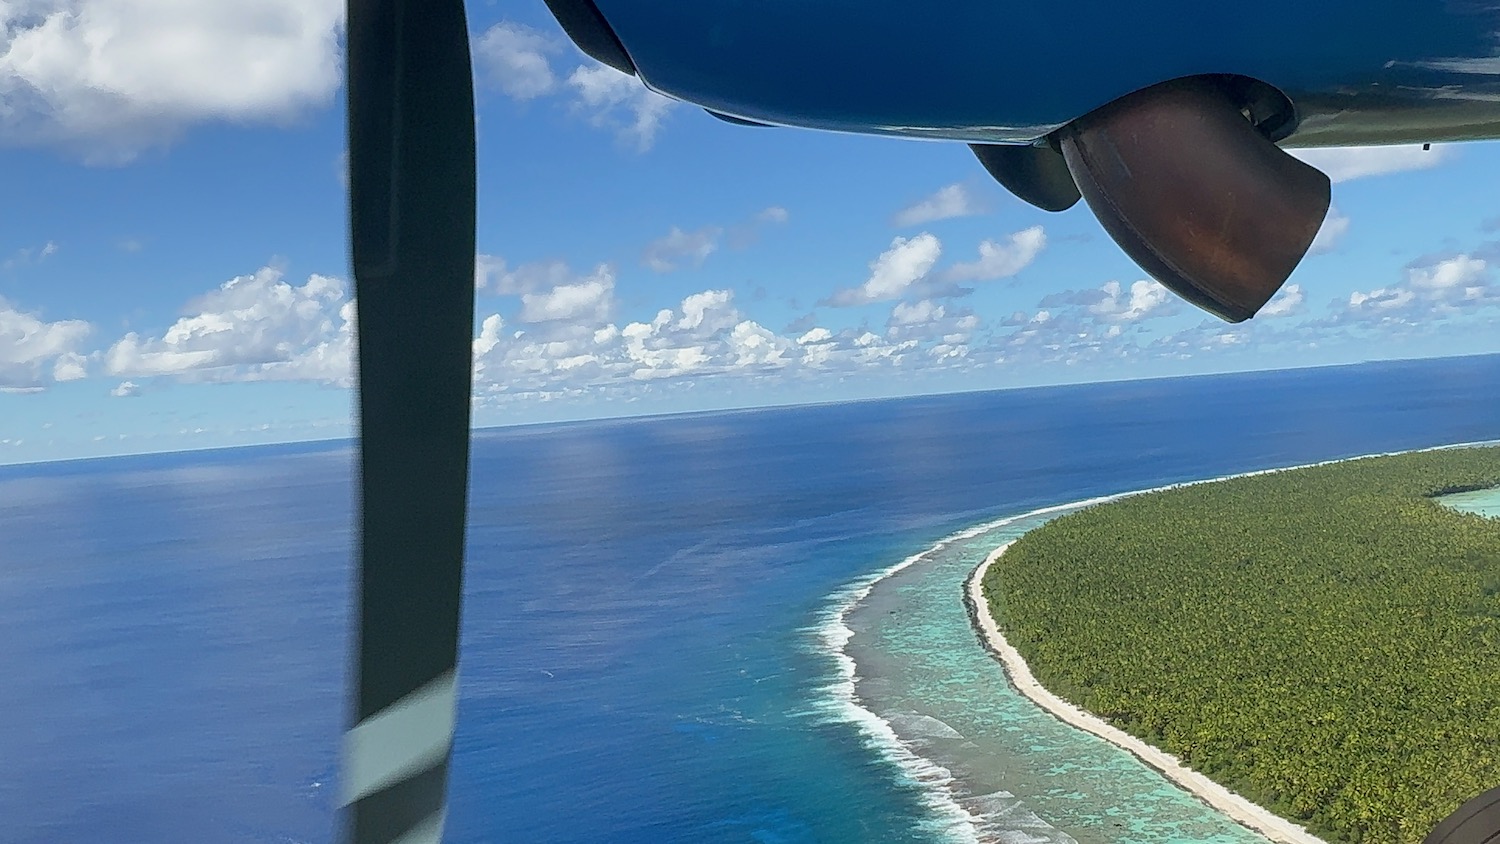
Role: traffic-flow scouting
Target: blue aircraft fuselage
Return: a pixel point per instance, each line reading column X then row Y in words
column 988, row 71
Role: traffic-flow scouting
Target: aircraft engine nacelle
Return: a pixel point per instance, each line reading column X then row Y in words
column 1168, row 117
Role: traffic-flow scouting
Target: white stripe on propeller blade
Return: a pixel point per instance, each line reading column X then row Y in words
column 406, row 738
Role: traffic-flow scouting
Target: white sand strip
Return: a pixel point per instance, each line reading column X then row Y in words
column 1239, row 809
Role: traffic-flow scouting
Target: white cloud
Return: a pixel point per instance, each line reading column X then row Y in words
column 518, row 60
column 707, row 337
column 942, row 331
column 70, row 366
column 704, row 336
column 28, row 346
column 327, row 358
column 915, row 314
column 1334, row 227
column 126, row 389
column 514, row 57
column 1460, row 273
column 489, row 270
column 708, row 311
column 950, row 201
column 1448, row 287
column 492, row 274
column 1111, row 305
column 109, row 78
column 774, row 214
column 1146, row 298
column 1380, row 299
column 1287, row 302
column 620, row 102
column 906, row 262
column 1212, row 337
column 1001, row 260
column 754, row 345
column 664, row 253
column 590, row 298
column 253, row 327
column 30, row 255
column 1343, row 164
column 489, row 335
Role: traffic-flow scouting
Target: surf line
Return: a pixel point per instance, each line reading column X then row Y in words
column 934, row 782
column 1233, row 806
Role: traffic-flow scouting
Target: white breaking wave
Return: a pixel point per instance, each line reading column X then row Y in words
column 998, row 817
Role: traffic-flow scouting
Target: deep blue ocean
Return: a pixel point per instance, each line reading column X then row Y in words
column 645, row 656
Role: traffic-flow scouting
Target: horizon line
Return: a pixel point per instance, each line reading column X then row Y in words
column 353, row 437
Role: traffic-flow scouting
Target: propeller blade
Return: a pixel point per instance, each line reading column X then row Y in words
column 412, row 217
column 1192, row 191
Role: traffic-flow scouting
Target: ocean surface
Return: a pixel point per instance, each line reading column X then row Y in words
column 676, row 628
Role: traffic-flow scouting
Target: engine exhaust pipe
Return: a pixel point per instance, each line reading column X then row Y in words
column 1195, row 194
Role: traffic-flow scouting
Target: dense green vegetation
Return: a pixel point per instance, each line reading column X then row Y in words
column 1325, row 641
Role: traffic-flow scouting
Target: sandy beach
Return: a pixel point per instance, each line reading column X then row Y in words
column 1234, row 806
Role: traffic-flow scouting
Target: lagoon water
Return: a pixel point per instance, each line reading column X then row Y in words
column 1484, row 502
column 653, row 649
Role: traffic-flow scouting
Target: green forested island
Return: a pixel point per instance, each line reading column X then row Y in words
column 1324, row 641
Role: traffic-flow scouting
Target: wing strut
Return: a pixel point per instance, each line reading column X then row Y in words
column 412, row 209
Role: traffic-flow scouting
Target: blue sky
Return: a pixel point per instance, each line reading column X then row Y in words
column 173, row 264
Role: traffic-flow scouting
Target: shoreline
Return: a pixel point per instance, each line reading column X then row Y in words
column 833, row 634
column 1236, row 808
column 1239, row 809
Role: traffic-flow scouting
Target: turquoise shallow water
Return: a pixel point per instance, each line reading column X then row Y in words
column 1485, row 502
column 923, row 670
